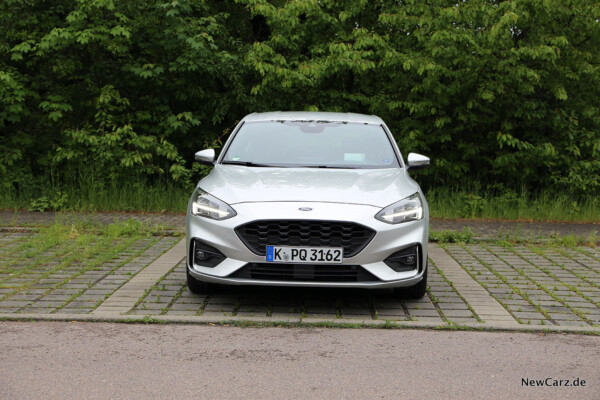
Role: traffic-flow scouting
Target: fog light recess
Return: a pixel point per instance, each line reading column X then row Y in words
column 404, row 260
column 205, row 255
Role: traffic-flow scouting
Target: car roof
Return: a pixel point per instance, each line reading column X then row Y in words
column 313, row 116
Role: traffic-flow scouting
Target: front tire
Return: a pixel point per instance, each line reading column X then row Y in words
column 198, row 287
column 414, row 292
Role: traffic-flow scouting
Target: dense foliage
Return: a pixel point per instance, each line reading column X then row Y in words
column 506, row 93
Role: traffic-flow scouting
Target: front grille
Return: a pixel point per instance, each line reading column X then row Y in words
column 304, row 272
column 258, row 235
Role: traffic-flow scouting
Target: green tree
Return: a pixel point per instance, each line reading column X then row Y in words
column 500, row 92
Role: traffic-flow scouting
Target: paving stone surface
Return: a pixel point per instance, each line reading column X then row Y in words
column 529, row 284
column 177, row 222
column 39, row 283
column 537, row 285
column 171, row 297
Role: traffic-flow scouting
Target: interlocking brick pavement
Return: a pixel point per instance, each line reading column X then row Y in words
column 537, row 285
column 473, row 284
column 171, row 297
column 40, row 283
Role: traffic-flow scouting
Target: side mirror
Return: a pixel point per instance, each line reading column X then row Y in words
column 205, row 156
column 417, row 161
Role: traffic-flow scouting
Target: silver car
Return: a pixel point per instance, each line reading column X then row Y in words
column 309, row 199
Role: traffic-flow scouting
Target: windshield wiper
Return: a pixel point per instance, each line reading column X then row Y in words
column 253, row 164
column 247, row 163
column 326, row 166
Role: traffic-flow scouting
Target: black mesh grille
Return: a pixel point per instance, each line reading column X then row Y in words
column 258, row 235
column 304, row 272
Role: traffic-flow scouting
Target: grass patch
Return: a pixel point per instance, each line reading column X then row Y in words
column 592, row 240
column 448, row 236
column 513, row 238
column 545, row 205
column 135, row 196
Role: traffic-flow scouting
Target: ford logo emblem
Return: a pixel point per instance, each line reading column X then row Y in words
column 305, row 209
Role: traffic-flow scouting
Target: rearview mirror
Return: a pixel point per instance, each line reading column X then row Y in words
column 417, row 161
column 205, row 156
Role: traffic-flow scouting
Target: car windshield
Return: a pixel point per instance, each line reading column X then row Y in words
column 311, row 144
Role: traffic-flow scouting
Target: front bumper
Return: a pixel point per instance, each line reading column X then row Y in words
column 388, row 239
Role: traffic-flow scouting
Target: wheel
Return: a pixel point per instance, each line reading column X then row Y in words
column 196, row 286
column 414, row 292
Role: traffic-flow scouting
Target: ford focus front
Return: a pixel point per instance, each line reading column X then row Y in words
column 309, row 199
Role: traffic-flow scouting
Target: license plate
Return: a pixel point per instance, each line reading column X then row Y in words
column 313, row 255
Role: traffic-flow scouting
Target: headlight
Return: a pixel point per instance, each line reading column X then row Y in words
column 408, row 209
column 205, row 205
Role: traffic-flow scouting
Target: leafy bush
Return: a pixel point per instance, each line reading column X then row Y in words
column 473, row 205
column 56, row 201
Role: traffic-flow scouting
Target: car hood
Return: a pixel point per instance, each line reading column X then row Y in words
column 377, row 187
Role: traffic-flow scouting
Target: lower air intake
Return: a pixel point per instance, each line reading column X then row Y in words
column 304, row 273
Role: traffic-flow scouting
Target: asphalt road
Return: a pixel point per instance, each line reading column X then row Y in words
column 100, row 361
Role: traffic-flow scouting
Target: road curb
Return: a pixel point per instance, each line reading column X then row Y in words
column 294, row 321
